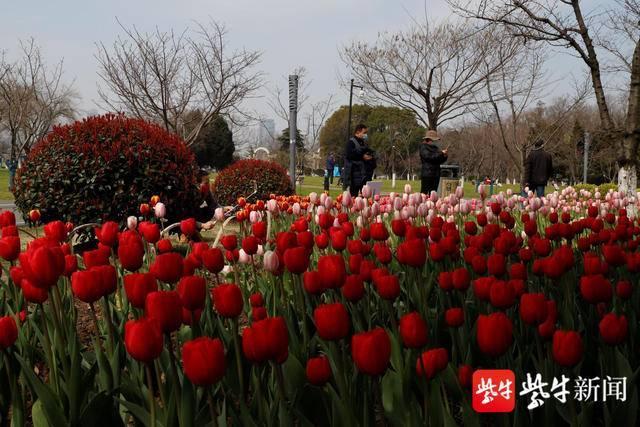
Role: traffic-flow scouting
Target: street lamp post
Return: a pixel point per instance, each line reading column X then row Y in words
column 350, row 105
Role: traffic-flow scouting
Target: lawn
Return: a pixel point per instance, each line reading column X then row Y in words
column 5, row 194
column 315, row 183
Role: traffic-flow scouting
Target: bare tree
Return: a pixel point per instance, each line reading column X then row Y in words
column 566, row 24
column 163, row 76
column 436, row 71
column 33, row 98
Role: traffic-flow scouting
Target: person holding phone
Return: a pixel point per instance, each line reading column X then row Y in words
column 431, row 157
column 359, row 160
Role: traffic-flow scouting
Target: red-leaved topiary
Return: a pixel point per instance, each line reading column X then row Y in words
column 103, row 167
column 238, row 180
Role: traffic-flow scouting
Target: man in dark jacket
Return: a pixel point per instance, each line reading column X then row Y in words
column 538, row 168
column 431, row 157
column 357, row 158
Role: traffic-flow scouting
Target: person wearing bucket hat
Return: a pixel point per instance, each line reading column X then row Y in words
column 431, row 157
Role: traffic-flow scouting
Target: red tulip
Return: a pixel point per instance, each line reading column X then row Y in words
column 614, row 328
column 258, row 313
column 259, row 229
column 371, row 351
column 431, row 362
column 137, row 286
column 10, row 248
column 203, row 361
column 213, row 260
column 318, row 370
column 494, row 333
column 322, row 240
column 332, row 271
column 229, row 242
column 332, row 321
column 496, row 265
column 305, row 239
column 413, row 330
column 256, row 300
column 461, row 278
column 312, row 282
column 338, row 239
column 8, row 332
column 85, row 286
column 165, row 307
column 412, row 253
column 55, row 230
column 96, row 257
column 595, row 289
column 266, row 339
column 131, row 254
column 143, row 339
column 34, row 294
column 192, row 291
column 353, row 288
column 454, row 317
column 167, row 267
column 250, row 245
column 150, row 231
column 533, row 308
column 388, row 287
column 17, row 274
column 378, row 231
column 164, row 246
column 567, row 348
column 227, row 300
column 108, row 233
column 43, row 263
column 296, row 260
column 398, row 227
column 624, row 289
column 502, row 294
column 445, row 280
column 107, row 278
column 383, row 253
column 465, row 374
column 188, row 227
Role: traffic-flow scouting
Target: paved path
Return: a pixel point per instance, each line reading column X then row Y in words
column 9, row 205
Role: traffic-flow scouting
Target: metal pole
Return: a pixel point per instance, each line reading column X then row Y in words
column 350, row 102
column 293, row 131
column 587, row 140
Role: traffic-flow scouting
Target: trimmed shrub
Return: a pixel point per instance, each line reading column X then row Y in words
column 103, row 167
column 238, row 180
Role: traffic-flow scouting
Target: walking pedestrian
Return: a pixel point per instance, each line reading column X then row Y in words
column 538, row 168
column 356, row 155
column 431, row 157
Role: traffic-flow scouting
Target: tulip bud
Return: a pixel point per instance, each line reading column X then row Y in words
column 271, row 261
column 160, row 210
column 34, row 215
column 132, row 222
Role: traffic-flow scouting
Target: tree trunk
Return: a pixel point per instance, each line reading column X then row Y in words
column 522, row 167
column 627, row 175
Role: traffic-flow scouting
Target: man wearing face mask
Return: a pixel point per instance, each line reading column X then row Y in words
column 358, row 161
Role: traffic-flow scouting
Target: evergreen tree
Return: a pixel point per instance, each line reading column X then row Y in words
column 214, row 146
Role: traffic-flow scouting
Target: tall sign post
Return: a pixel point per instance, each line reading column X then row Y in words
column 293, row 131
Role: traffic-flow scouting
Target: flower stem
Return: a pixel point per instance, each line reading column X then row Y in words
column 152, row 402
column 212, row 408
column 236, row 344
column 174, row 370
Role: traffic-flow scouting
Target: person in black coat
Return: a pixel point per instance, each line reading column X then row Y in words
column 431, row 157
column 359, row 161
column 538, row 168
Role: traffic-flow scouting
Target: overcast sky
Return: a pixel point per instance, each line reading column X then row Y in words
column 290, row 33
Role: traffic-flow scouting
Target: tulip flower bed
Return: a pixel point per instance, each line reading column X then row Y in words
column 364, row 311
